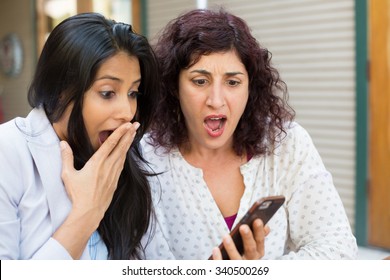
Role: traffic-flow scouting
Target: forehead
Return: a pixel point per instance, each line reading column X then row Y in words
column 121, row 66
column 118, row 60
column 228, row 61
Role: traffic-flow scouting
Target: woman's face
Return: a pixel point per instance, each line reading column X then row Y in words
column 112, row 98
column 110, row 101
column 213, row 94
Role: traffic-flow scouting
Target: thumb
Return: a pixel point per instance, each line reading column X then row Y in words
column 67, row 159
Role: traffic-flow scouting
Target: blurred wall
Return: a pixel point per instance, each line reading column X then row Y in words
column 17, row 16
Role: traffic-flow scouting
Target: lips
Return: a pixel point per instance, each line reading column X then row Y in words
column 104, row 135
column 215, row 125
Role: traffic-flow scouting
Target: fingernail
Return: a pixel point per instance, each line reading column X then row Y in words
column 136, row 125
column 258, row 223
column 62, row 145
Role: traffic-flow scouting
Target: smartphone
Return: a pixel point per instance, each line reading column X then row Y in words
column 264, row 209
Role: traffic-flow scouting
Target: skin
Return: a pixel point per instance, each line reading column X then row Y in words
column 109, row 105
column 111, row 101
column 213, row 95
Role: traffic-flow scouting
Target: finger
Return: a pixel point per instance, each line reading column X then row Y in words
column 231, row 249
column 216, row 254
column 249, row 242
column 259, row 229
column 260, row 232
column 67, row 166
column 119, row 152
column 267, row 230
column 67, row 160
column 117, row 157
column 109, row 145
column 115, row 161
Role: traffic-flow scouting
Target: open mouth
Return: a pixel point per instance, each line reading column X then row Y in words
column 104, row 135
column 214, row 123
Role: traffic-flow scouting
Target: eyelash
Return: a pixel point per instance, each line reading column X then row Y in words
column 108, row 94
column 133, row 94
column 236, row 83
column 199, row 82
column 202, row 82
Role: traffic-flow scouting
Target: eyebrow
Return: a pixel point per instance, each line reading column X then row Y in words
column 205, row 72
column 109, row 77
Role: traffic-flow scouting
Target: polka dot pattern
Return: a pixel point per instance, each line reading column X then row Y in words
column 312, row 224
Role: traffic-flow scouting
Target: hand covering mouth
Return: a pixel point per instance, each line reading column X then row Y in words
column 214, row 123
column 104, row 135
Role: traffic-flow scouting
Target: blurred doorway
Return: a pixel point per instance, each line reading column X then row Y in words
column 52, row 12
column 379, row 124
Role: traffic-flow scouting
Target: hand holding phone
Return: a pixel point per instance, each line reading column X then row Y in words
column 263, row 209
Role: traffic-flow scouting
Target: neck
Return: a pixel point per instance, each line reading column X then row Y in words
column 201, row 157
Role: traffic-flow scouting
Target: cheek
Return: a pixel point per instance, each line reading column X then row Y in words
column 91, row 127
column 188, row 107
column 134, row 106
column 244, row 102
column 240, row 104
column 90, row 109
column 91, row 117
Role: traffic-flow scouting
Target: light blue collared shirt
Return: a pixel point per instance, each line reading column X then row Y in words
column 96, row 247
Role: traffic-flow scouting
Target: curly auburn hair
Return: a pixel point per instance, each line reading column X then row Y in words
column 201, row 32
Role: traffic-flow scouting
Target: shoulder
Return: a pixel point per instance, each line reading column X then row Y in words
column 146, row 144
column 35, row 127
column 296, row 131
column 156, row 156
column 294, row 145
column 151, row 150
column 297, row 148
column 14, row 156
column 17, row 135
column 295, row 137
column 11, row 137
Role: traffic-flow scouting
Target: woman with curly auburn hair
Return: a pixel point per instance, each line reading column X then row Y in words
column 223, row 137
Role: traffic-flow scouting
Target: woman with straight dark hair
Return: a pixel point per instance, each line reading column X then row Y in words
column 224, row 137
column 71, row 185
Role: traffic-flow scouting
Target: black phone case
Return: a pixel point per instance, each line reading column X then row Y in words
column 264, row 209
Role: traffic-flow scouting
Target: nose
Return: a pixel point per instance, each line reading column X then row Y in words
column 126, row 108
column 216, row 96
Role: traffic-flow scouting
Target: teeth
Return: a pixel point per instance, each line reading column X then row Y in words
column 219, row 127
column 215, row 119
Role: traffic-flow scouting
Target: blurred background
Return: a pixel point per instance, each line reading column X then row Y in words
column 334, row 56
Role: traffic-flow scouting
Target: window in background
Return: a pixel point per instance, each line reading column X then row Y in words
column 52, row 12
column 120, row 10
